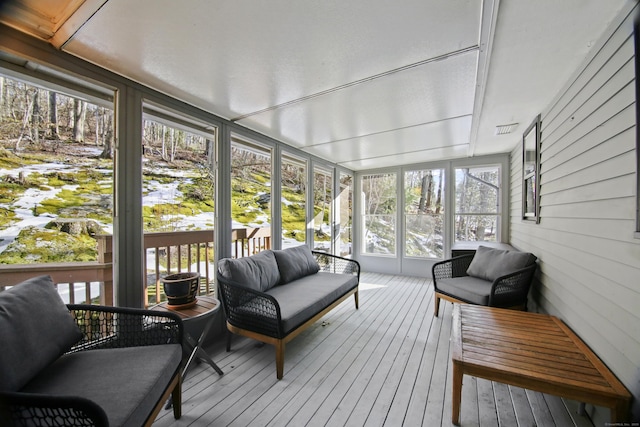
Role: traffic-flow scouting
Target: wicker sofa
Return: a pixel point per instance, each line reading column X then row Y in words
column 276, row 294
column 72, row 365
column 490, row 277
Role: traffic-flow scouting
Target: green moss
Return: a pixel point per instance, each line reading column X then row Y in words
column 38, row 245
column 7, row 218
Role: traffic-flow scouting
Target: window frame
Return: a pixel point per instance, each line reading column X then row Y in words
column 531, row 136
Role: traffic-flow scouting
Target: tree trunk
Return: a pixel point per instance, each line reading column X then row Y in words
column 26, row 118
column 35, row 117
column 53, row 116
column 107, row 151
column 78, row 120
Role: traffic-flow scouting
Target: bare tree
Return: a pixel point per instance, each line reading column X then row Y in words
column 54, row 130
column 79, row 112
column 107, row 151
column 30, row 98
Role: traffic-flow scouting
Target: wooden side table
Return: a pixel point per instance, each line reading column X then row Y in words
column 197, row 320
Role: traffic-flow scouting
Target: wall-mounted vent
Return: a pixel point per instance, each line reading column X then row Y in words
column 505, row 129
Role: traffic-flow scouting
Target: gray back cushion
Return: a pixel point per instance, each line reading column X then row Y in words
column 259, row 271
column 295, row 263
column 489, row 263
column 35, row 329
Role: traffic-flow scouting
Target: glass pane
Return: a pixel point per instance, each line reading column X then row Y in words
column 322, row 198
column 477, row 190
column 379, row 208
column 178, row 191
column 56, row 191
column 481, row 228
column 250, row 197
column 424, row 213
column 530, row 196
column 345, row 209
column 294, row 198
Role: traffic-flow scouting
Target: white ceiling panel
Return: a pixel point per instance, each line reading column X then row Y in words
column 424, row 156
column 238, row 57
column 412, row 140
column 424, row 94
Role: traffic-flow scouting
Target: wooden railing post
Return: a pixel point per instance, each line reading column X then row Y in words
column 105, row 256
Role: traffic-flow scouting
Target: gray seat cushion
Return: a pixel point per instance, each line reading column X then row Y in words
column 259, row 272
column 295, row 262
column 489, row 263
column 304, row 298
column 468, row 288
column 125, row 382
column 29, row 312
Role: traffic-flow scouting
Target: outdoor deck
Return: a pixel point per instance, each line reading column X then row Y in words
column 387, row 363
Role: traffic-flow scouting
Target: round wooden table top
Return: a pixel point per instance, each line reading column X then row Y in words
column 205, row 305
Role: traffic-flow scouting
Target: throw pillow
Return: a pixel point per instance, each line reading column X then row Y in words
column 35, row 329
column 489, row 263
column 258, row 272
column 296, row 262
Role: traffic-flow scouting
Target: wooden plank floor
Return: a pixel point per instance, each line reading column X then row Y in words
column 386, row 364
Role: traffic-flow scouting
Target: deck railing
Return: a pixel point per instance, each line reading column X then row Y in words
column 166, row 253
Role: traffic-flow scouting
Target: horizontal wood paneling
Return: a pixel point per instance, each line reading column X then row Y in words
column 589, row 271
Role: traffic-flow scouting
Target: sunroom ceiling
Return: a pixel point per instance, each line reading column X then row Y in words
column 362, row 83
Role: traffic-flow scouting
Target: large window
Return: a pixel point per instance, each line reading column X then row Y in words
column 322, row 200
column 477, row 203
column 294, row 200
column 424, row 213
column 56, row 161
column 178, row 192
column 251, row 165
column 379, row 213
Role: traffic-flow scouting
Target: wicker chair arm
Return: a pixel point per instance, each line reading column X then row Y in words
column 453, row 267
column 249, row 309
column 116, row 327
column 512, row 288
column 43, row 410
column 337, row 264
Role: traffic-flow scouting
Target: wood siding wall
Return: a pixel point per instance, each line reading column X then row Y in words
column 589, row 271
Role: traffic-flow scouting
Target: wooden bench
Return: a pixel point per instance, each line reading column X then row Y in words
column 533, row 351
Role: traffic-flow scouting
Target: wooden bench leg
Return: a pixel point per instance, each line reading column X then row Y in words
column 457, row 393
column 620, row 412
column 436, row 306
column 280, row 359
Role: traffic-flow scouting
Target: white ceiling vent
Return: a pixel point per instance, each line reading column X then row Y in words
column 506, row 129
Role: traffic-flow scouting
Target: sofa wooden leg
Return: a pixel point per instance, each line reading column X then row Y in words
column 228, row 341
column 176, row 398
column 436, row 306
column 355, row 295
column 280, row 359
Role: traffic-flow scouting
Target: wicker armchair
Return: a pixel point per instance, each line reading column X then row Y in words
column 500, row 283
column 107, row 377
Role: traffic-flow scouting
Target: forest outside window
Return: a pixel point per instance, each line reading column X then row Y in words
column 477, row 204
column 424, row 213
column 379, row 213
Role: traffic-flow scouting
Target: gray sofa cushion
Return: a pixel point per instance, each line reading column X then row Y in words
column 489, row 263
column 468, row 288
column 125, row 382
column 303, row 299
column 29, row 312
column 259, row 271
column 296, row 262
